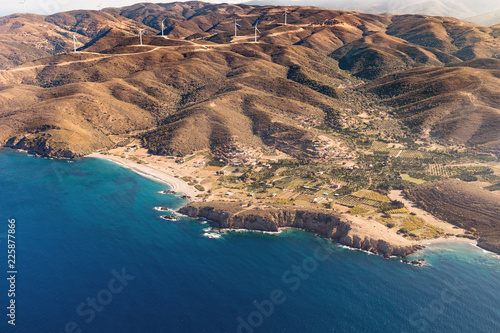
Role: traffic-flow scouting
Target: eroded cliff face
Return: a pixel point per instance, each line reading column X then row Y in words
column 326, row 225
column 489, row 246
column 41, row 146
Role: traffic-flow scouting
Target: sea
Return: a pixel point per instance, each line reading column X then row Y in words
column 93, row 255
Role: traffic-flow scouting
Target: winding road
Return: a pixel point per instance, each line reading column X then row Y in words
column 204, row 47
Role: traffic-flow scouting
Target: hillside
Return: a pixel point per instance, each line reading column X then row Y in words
column 27, row 37
column 489, row 19
column 437, row 75
column 465, row 206
column 459, row 103
column 215, row 95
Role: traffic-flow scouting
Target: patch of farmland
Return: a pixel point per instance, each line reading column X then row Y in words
column 351, row 201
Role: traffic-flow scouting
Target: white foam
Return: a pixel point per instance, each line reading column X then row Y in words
column 492, row 254
column 212, row 235
column 168, row 219
column 346, row 247
column 252, row 231
column 350, row 248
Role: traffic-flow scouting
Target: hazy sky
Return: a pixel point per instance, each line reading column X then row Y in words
column 47, row 7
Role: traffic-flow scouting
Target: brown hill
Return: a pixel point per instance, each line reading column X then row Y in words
column 27, row 37
column 379, row 54
column 245, row 93
column 455, row 37
column 455, row 104
column 464, row 205
column 204, row 83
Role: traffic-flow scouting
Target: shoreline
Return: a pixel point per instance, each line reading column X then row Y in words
column 448, row 240
column 180, row 186
column 445, row 241
column 176, row 184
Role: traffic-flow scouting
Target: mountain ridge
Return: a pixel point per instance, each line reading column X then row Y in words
column 322, row 69
column 462, row 9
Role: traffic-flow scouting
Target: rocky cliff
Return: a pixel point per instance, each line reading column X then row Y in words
column 41, row 146
column 326, row 224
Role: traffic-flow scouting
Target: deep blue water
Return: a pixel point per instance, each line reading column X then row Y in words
column 77, row 222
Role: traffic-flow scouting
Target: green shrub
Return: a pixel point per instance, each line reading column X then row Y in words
column 358, row 210
column 216, row 162
column 199, row 187
column 394, row 204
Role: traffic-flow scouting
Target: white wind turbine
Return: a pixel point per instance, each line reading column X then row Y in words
column 256, row 30
column 236, row 25
column 285, row 13
column 140, row 35
column 74, row 42
column 163, row 27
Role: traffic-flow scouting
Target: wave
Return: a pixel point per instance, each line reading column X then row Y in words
column 162, row 209
column 212, row 235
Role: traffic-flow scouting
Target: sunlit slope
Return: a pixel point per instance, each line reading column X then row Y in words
column 324, row 68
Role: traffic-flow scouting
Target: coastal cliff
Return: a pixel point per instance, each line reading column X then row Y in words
column 326, row 224
column 41, row 146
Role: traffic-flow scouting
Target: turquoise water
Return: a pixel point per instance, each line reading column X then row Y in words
column 77, row 222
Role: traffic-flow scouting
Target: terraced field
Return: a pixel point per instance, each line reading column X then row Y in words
column 372, row 196
column 409, row 153
column 379, row 146
column 351, row 201
column 438, row 170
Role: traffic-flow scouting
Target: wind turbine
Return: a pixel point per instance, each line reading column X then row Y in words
column 286, row 12
column 140, row 34
column 236, row 25
column 74, row 42
column 256, row 29
column 163, row 27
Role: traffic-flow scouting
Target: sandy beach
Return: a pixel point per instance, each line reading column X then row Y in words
column 150, row 171
column 448, row 240
column 428, row 217
column 165, row 170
